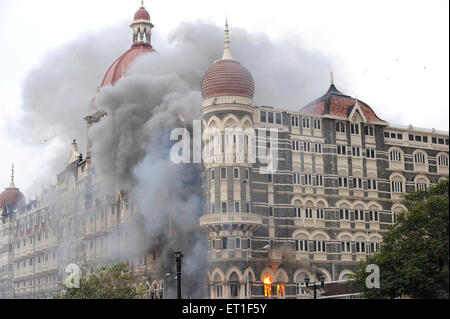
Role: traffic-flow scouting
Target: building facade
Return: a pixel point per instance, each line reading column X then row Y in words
column 329, row 187
column 336, row 188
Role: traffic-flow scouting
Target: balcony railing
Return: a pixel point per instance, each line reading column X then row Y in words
column 230, row 218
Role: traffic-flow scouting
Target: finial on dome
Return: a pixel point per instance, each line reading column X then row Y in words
column 11, row 185
column 226, row 49
column 331, row 78
column 142, row 3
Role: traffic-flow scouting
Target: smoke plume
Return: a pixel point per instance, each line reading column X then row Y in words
column 131, row 145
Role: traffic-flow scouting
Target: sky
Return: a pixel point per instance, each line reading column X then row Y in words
column 393, row 55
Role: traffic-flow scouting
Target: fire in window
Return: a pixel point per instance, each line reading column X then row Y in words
column 267, row 286
column 280, row 290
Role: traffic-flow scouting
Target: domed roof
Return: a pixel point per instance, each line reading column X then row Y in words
column 141, row 14
column 121, row 64
column 12, row 196
column 227, row 77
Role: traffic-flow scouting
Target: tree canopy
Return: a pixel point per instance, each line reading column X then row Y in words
column 414, row 257
column 114, row 282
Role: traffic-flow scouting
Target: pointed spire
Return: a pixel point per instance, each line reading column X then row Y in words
column 331, row 78
column 226, row 49
column 11, row 185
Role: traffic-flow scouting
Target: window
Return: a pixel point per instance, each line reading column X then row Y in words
column 319, row 180
column 359, row 214
column 443, row 160
column 223, row 172
column 308, row 212
column 295, row 145
column 270, row 211
column 263, row 116
column 219, row 290
column 320, row 246
column 247, row 207
column 344, row 214
column 301, row 245
column 305, row 121
column 371, row 184
column 316, row 123
column 307, row 146
column 319, row 213
column 373, row 215
column 270, row 117
column 420, row 186
column 356, row 151
column 360, row 247
column 397, row 186
column 318, row 148
column 308, row 179
column 213, row 208
column 368, row 130
column 236, row 173
column 373, row 247
column 237, row 243
column 357, row 183
column 419, row 158
column 294, row 120
column 270, row 177
column 247, row 173
column 278, row 118
column 342, row 181
column 340, row 127
column 395, row 155
column 346, row 247
column 236, row 207
column 342, row 150
column 224, row 207
column 297, row 178
column 298, row 212
column 411, row 137
column 354, row 128
column 224, row 243
column 370, row 153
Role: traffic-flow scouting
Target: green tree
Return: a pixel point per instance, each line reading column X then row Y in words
column 115, row 282
column 413, row 259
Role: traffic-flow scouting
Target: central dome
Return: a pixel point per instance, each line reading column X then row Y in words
column 117, row 70
column 228, row 78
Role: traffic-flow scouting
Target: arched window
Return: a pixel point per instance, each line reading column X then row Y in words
column 443, row 160
column 419, row 158
column 234, row 285
column 218, row 286
column 395, row 156
column 421, row 184
column 300, row 283
column 397, row 184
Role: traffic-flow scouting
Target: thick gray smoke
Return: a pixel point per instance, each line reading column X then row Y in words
column 131, row 145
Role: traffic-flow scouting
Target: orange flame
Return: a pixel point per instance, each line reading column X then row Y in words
column 267, row 286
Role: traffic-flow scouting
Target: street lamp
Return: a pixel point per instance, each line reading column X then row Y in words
column 322, row 281
column 178, row 259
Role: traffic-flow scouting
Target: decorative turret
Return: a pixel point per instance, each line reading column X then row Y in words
column 142, row 26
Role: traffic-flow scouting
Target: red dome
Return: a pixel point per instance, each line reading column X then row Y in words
column 13, row 197
column 141, row 14
column 114, row 72
column 227, row 78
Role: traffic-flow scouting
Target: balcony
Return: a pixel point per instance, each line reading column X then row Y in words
column 245, row 220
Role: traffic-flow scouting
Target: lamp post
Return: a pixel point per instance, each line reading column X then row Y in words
column 178, row 259
column 322, row 281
